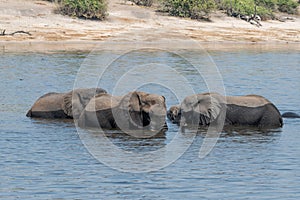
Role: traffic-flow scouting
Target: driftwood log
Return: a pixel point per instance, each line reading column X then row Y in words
column 2, row 33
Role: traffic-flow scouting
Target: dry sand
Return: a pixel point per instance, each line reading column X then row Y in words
column 130, row 23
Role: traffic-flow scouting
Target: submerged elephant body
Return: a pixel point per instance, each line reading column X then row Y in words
column 63, row 105
column 252, row 110
column 93, row 107
column 136, row 110
column 48, row 106
column 207, row 108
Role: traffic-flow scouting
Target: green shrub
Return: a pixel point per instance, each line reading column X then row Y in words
column 263, row 8
column 288, row 6
column 196, row 9
column 268, row 4
column 143, row 2
column 88, row 9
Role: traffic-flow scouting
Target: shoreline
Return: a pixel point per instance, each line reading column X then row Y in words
column 115, row 46
column 133, row 25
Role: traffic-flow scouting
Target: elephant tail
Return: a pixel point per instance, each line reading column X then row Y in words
column 290, row 115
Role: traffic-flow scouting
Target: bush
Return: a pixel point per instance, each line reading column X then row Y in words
column 288, row 6
column 268, row 4
column 143, row 2
column 88, row 9
column 264, row 8
column 195, row 9
column 249, row 7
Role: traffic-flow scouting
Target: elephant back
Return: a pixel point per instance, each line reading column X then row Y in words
column 248, row 100
column 98, row 112
column 102, row 102
column 48, row 106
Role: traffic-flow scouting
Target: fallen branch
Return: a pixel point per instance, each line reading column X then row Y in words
column 2, row 33
column 24, row 32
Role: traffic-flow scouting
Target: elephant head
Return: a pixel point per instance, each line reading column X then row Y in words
column 148, row 110
column 198, row 109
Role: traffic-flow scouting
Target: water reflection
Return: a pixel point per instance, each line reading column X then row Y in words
column 52, row 122
column 128, row 142
column 251, row 134
column 250, row 130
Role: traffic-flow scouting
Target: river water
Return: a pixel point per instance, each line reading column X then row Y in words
column 46, row 159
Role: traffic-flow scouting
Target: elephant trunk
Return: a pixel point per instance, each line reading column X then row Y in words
column 157, row 122
column 157, row 117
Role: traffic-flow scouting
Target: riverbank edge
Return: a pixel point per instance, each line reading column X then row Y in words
column 88, row 46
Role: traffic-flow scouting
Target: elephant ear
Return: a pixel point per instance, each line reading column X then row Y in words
column 135, row 102
column 213, row 109
column 204, row 107
column 130, row 102
column 135, row 108
column 72, row 103
column 75, row 101
column 130, row 110
column 67, row 104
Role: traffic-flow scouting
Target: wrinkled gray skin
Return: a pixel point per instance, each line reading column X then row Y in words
column 63, row 105
column 207, row 108
column 135, row 110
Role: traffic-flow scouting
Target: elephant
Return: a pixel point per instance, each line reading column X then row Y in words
column 63, row 105
column 134, row 111
column 207, row 108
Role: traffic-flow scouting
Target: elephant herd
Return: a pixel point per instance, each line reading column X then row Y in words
column 95, row 108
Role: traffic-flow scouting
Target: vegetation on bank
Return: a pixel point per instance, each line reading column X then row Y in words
column 201, row 9
column 264, row 8
column 195, row 9
column 88, row 9
column 147, row 3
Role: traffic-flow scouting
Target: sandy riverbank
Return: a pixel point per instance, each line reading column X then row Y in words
column 130, row 23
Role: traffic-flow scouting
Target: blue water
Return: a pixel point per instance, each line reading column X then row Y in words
column 45, row 159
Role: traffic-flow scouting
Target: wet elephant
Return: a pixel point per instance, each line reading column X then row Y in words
column 133, row 111
column 63, row 105
column 207, row 108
